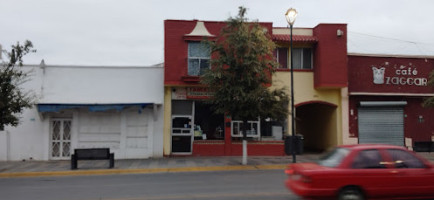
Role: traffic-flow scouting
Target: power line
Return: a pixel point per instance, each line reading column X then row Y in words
column 390, row 38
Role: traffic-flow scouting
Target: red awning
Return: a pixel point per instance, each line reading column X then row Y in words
column 295, row 38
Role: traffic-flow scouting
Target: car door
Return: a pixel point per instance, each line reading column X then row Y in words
column 412, row 176
column 370, row 171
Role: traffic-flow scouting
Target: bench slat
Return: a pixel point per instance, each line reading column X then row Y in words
column 92, row 154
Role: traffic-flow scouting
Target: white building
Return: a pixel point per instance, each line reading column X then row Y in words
column 86, row 107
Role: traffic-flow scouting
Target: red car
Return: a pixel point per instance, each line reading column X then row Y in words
column 364, row 172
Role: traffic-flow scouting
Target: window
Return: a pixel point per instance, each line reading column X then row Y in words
column 302, row 58
column 281, row 55
column 404, row 159
column 198, row 58
column 368, row 159
column 333, row 158
column 252, row 131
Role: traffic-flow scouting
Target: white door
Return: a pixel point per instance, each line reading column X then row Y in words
column 138, row 136
column 60, row 136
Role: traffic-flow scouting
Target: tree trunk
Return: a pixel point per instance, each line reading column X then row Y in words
column 244, row 161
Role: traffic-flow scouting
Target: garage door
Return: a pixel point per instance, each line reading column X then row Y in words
column 128, row 134
column 381, row 125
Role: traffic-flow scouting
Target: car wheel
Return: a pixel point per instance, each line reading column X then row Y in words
column 350, row 193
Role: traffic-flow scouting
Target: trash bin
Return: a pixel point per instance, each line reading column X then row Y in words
column 298, row 143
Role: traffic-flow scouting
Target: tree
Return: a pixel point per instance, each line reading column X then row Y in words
column 429, row 101
column 242, row 64
column 12, row 98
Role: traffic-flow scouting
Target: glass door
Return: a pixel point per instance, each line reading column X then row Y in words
column 182, row 134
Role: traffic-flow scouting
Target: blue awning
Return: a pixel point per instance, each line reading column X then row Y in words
column 90, row 107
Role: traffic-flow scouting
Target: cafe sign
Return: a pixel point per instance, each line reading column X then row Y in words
column 398, row 75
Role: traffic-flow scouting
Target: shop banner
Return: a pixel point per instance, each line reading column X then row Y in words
column 191, row 93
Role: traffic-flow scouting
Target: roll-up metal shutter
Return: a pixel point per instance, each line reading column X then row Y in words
column 380, row 124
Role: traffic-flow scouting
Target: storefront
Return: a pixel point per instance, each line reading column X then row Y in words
column 192, row 128
column 119, row 108
column 386, row 95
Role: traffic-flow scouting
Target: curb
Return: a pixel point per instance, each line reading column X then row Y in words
column 140, row 171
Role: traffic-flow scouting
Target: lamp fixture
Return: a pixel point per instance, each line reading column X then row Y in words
column 290, row 15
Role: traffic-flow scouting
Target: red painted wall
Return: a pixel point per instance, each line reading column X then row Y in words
column 401, row 75
column 176, row 47
column 418, row 131
column 361, row 80
column 330, row 57
column 209, row 149
column 236, row 149
column 277, row 149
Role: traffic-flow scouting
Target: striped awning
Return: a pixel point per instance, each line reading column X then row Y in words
column 295, row 38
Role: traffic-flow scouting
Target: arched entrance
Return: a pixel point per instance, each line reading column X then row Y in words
column 316, row 121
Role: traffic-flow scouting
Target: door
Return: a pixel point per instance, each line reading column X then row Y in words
column 138, row 136
column 370, row 171
column 60, row 145
column 381, row 125
column 182, row 127
column 182, row 134
column 412, row 176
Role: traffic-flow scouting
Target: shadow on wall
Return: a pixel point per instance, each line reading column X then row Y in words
column 317, row 123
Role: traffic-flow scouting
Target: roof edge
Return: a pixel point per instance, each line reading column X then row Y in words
column 391, row 55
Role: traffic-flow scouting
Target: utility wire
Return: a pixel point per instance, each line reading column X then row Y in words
column 390, row 38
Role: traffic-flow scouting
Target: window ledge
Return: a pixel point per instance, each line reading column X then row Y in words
column 296, row 70
column 190, row 79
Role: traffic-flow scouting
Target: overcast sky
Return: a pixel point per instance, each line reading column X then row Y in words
column 130, row 32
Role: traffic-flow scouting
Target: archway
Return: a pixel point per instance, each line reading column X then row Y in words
column 316, row 121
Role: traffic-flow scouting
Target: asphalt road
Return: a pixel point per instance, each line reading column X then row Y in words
column 217, row 185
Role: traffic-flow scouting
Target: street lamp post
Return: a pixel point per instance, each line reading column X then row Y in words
column 290, row 15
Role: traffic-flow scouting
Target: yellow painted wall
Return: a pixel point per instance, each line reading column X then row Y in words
column 304, row 91
column 167, row 120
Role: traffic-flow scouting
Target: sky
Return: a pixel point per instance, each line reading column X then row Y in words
column 131, row 32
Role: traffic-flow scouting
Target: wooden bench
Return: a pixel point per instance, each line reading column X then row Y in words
column 92, row 154
column 425, row 146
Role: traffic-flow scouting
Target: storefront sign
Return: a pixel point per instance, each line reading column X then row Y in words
column 198, row 93
column 179, row 93
column 398, row 75
column 191, row 93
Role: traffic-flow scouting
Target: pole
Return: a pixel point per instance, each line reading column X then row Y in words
column 292, row 105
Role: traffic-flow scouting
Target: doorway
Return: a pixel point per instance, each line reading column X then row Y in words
column 317, row 122
column 60, row 138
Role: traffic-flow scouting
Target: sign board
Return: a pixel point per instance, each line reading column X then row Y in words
column 191, row 93
column 389, row 75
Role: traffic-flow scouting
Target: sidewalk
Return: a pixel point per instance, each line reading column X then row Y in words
column 157, row 165
column 152, row 165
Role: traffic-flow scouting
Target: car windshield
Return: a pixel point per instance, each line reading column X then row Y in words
column 333, row 158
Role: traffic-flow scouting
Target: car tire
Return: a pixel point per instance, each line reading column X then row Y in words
column 350, row 193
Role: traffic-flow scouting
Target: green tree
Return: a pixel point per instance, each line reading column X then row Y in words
column 12, row 98
column 242, row 64
column 429, row 102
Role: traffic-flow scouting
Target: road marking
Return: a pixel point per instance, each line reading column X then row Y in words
column 210, row 196
column 140, row 171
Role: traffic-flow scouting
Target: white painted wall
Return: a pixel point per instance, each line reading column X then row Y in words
column 83, row 85
column 102, row 85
